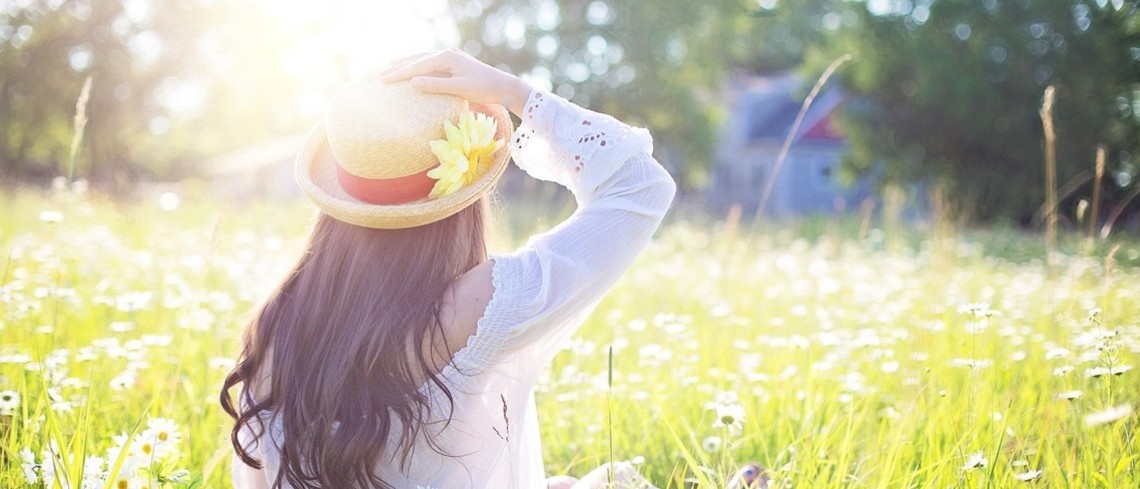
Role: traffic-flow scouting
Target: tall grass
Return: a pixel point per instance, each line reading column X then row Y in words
column 770, row 178
column 79, row 126
column 1098, row 178
column 1050, row 173
column 854, row 363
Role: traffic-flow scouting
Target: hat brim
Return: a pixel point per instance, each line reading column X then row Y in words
column 316, row 176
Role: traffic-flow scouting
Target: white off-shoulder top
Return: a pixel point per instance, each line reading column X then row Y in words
column 542, row 293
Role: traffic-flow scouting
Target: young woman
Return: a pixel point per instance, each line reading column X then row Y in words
column 397, row 353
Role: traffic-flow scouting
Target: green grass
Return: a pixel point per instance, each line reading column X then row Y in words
column 844, row 344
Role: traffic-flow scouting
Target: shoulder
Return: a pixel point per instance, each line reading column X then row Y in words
column 464, row 304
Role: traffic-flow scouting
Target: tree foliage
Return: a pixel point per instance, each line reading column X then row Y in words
column 950, row 90
column 173, row 81
column 662, row 64
column 658, row 64
column 942, row 91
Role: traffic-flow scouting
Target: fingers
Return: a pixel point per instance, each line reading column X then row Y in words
column 401, row 62
column 439, row 62
column 435, row 84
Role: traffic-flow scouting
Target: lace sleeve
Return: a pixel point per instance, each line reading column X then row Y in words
column 545, row 289
column 574, row 147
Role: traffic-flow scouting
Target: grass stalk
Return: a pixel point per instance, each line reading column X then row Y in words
column 770, row 181
column 80, row 124
column 1050, row 174
column 1064, row 191
column 1097, row 179
column 1117, row 211
column 610, row 411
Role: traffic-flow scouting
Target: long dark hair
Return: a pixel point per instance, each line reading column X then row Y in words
column 347, row 340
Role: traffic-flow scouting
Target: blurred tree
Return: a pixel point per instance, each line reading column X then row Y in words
column 173, row 81
column 946, row 90
column 950, row 90
column 639, row 61
column 662, row 64
column 659, row 64
column 777, row 35
column 47, row 48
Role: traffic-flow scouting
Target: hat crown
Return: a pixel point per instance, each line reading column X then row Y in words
column 382, row 130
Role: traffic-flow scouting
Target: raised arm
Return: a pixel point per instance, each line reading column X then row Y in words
column 529, row 301
column 622, row 195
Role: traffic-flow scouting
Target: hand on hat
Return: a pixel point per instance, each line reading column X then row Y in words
column 454, row 72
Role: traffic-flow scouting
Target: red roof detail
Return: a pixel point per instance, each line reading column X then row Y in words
column 823, row 130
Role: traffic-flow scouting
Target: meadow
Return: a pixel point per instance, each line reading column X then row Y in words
column 836, row 353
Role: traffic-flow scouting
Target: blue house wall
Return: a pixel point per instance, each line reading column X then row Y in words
column 761, row 115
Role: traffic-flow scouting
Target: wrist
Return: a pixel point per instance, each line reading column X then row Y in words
column 516, row 94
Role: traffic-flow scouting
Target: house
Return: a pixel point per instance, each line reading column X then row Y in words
column 762, row 111
column 262, row 171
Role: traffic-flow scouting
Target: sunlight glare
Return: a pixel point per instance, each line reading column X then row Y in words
column 366, row 33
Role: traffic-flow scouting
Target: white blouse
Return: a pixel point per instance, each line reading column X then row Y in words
column 542, row 293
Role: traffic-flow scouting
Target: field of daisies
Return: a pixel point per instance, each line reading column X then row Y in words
column 836, row 354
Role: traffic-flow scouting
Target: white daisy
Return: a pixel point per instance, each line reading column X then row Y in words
column 161, row 437
column 9, row 402
column 1032, row 475
column 1097, row 372
column 94, row 475
column 1110, row 415
column 28, row 463
column 976, row 460
column 1069, row 395
column 730, row 416
column 51, row 216
column 978, row 310
column 47, row 466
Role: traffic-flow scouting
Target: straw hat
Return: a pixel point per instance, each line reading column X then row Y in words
column 366, row 163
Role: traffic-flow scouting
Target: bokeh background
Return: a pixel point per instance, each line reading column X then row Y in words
column 941, row 98
column 925, row 277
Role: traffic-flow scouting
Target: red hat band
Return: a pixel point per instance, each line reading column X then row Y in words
column 386, row 191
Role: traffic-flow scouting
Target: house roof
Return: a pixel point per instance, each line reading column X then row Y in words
column 253, row 157
column 774, row 102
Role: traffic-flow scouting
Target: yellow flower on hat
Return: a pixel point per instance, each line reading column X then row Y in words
column 465, row 154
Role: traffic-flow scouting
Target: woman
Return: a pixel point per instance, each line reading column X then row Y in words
column 397, row 353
